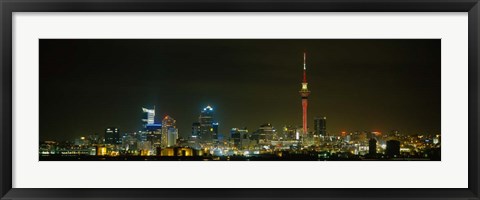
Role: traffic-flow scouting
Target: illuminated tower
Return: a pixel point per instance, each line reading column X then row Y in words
column 149, row 116
column 304, row 92
column 206, row 125
column 167, row 124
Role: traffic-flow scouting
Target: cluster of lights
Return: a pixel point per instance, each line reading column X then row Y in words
column 208, row 108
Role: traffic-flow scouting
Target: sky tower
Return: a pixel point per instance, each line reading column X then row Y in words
column 304, row 92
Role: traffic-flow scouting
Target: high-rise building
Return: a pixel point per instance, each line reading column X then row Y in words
column 239, row 137
column 265, row 133
column 235, row 137
column 167, row 123
column 112, row 136
column 393, row 148
column 372, row 146
column 244, row 138
column 154, row 134
column 195, row 129
column 172, row 136
column 130, row 140
column 149, row 116
column 206, row 125
column 152, row 131
column 215, row 131
column 141, row 136
column 289, row 132
column 304, row 92
column 320, row 126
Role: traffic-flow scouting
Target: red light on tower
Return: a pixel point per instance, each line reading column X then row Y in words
column 304, row 92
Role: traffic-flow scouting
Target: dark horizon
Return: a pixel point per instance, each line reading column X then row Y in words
column 87, row 85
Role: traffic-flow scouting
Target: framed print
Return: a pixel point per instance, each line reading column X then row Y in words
column 246, row 100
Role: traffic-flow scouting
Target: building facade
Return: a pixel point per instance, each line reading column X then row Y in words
column 149, row 116
column 207, row 134
column 112, row 136
column 320, row 126
column 172, row 137
column 167, row 123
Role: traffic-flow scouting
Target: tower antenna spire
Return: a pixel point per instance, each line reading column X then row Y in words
column 304, row 60
column 304, row 92
column 304, row 67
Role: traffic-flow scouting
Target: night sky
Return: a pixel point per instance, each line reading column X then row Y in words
column 371, row 85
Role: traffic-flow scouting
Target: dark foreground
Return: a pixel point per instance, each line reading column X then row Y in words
column 219, row 158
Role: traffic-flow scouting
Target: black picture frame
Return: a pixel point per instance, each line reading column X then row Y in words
column 7, row 7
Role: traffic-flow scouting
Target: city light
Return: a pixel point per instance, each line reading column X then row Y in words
column 160, row 139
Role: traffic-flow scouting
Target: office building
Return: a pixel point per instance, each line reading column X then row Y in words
column 112, row 136
column 195, row 129
column 320, row 126
column 372, row 146
column 393, row 148
column 149, row 116
column 206, row 125
column 172, row 136
column 167, row 123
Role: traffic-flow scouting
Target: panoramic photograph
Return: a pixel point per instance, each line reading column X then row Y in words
column 240, row 100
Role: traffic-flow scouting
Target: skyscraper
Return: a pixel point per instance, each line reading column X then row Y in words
column 112, row 136
column 206, row 124
column 152, row 131
column 195, row 129
column 239, row 137
column 289, row 132
column 215, row 131
column 265, row 133
column 304, row 92
column 320, row 126
column 235, row 136
column 172, row 136
column 154, row 134
column 167, row 123
column 149, row 117
column 372, row 146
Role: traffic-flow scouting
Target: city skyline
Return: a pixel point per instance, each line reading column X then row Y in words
column 247, row 82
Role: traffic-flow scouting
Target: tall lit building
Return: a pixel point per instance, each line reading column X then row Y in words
column 215, row 131
column 206, row 125
column 265, row 133
column 289, row 132
column 172, row 136
column 149, row 116
column 235, row 136
column 304, row 92
column 112, row 136
column 167, row 123
column 320, row 126
column 195, row 129
column 152, row 131
column 154, row 134
column 239, row 137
